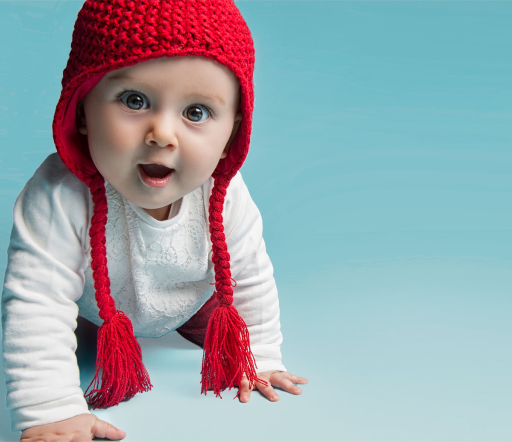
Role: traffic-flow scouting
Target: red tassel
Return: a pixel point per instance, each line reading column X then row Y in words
column 227, row 355
column 120, row 360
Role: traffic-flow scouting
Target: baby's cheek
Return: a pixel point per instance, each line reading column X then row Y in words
column 120, row 140
column 203, row 161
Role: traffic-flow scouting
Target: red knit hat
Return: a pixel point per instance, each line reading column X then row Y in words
column 112, row 34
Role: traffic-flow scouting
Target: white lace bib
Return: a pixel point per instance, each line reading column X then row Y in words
column 159, row 270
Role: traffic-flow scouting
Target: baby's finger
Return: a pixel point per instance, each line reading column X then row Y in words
column 298, row 379
column 244, row 391
column 286, row 382
column 105, row 430
column 268, row 391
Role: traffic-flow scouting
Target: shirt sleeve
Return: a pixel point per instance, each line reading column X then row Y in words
column 44, row 279
column 255, row 295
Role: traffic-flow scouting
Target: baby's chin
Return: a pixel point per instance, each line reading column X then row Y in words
column 147, row 198
column 153, row 204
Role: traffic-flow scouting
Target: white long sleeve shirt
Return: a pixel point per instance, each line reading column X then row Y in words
column 160, row 273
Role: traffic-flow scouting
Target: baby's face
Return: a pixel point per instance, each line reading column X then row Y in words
column 157, row 130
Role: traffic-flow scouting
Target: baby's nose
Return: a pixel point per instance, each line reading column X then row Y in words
column 158, row 142
column 162, row 134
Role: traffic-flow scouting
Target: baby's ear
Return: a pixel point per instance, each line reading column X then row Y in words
column 236, row 125
column 80, row 118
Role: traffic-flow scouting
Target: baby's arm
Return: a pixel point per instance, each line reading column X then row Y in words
column 255, row 295
column 44, row 278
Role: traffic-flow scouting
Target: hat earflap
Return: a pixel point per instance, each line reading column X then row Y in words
column 119, row 356
column 227, row 355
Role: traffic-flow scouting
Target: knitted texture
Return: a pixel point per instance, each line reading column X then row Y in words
column 110, row 35
column 220, row 254
column 98, row 249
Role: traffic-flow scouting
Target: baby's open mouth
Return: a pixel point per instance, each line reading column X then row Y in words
column 155, row 170
column 155, row 175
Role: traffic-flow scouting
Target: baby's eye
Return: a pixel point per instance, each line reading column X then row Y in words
column 134, row 100
column 197, row 113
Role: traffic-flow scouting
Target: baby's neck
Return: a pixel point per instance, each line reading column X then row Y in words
column 160, row 214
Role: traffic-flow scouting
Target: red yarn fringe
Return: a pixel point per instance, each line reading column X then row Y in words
column 120, row 360
column 227, row 355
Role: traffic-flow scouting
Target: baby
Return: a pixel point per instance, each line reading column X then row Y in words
column 141, row 222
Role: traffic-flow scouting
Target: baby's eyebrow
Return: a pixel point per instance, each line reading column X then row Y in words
column 199, row 94
column 213, row 97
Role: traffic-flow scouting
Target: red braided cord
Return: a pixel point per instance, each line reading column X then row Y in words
column 119, row 358
column 227, row 354
column 99, row 267
column 220, row 254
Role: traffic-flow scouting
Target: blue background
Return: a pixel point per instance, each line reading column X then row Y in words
column 382, row 164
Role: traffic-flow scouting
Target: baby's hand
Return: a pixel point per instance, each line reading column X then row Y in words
column 81, row 428
column 280, row 379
